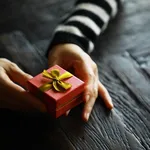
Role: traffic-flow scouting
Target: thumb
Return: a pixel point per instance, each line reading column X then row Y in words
column 18, row 76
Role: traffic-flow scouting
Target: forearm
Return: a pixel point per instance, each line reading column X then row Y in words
column 84, row 25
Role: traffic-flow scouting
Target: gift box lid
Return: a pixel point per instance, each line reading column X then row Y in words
column 57, row 99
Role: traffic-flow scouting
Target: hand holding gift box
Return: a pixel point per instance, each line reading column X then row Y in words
column 58, row 89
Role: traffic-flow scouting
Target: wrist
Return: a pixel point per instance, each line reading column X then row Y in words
column 62, row 49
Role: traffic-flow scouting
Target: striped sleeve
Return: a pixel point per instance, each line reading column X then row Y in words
column 86, row 22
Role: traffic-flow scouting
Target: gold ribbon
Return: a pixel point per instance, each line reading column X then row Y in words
column 56, row 82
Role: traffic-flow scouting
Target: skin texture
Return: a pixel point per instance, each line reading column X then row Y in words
column 12, row 89
column 72, row 58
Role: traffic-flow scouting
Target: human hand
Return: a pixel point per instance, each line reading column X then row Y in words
column 71, row 56
column 12, row 89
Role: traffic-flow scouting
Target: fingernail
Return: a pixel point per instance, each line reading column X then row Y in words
column 87, row 116
column 111, row 103
column 87, row 98
column 67, row 113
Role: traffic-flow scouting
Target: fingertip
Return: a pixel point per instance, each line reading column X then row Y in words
column 105, row 96
column 28, row 76
column 109, row 102
column 67, row 113
column 110, row 106
column 85, row 116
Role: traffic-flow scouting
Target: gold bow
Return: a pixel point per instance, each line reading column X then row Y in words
column 56, row 82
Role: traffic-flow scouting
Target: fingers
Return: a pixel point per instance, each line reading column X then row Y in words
column 19, row 99
column 91, row 98
column 17, row 75
column 92, row 89
column 22, row 99
column 67, row 113
column 14, row 96
column 91, row 93
column 85, row 69
column 105, row 95
column 90, row 76
column 14, row 72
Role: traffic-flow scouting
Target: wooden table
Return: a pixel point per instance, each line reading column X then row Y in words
column 123, row 58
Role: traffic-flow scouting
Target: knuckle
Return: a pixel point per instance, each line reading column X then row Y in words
column 12, row 66
column 95, row 66
column 91, row 75
column 95, row 93
column 4, row 60
column 1, row 69
column 91, row 91
column 2, row 74
column 88, row 88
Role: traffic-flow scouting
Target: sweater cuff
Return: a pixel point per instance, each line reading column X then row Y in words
column 64, row 37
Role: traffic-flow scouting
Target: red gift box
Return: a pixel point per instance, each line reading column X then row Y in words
column 57, row 103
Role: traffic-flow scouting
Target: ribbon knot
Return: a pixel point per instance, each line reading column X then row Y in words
column 56, row 81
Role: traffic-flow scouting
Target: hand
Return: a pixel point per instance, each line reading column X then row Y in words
column 71, row 56
column 12, row 89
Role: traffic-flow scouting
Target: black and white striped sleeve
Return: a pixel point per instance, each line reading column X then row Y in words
column 86, row 22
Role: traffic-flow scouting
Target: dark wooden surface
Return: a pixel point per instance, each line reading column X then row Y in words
column 123, row 58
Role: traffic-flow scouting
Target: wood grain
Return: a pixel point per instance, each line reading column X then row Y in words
column 21, row 52
column 123, row 58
